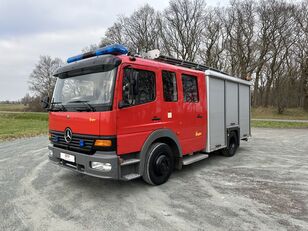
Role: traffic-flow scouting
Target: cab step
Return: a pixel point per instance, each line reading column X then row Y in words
column 130, row 161
column 189, row 159
column 131, row 176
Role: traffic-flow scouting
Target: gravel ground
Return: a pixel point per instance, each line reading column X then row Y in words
column 263, row 187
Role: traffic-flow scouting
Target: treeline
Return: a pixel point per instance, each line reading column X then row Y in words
column 10, row 102
column 265, row 41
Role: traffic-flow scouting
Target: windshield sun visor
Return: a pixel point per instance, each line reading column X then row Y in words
column 87, row 66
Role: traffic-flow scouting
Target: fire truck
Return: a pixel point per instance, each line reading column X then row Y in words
column 115, row 115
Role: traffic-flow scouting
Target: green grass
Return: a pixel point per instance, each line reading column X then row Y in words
column 271, row 113
column 277, row 124
column 24, row 124
column 12, row 107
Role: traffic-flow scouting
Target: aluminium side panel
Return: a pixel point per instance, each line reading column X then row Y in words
column 228, row 102
column 244, row 110
column 232, row 103
column 216, row 113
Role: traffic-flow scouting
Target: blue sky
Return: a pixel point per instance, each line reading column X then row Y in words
column 31, row 28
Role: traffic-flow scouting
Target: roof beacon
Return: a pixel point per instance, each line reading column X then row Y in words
column 115, row 49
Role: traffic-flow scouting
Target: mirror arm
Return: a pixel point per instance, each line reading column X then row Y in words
column 122, row 104
column 45, row 102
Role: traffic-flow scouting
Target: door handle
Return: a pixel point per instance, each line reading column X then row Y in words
column 155, row 118
column 199, row 116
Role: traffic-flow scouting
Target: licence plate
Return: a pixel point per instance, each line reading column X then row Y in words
column 67, row 157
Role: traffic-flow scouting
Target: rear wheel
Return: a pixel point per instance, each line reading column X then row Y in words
column 158, row 165
column 232, row 146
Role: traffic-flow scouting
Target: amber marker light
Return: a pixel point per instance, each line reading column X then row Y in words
column 103, row 143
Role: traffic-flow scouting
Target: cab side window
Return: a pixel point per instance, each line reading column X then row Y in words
column 170, row 87
column 190, row 88
column 138, row 86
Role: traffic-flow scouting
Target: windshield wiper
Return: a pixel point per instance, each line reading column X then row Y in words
column 84, row 102
column 62, row 108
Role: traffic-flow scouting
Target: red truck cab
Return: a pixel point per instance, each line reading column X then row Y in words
column 122, row 117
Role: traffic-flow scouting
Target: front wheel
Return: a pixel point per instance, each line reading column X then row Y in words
column 158, row 165
column 232, row 146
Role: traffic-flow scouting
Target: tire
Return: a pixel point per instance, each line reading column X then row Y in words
column 159, row 164
column 232, row 146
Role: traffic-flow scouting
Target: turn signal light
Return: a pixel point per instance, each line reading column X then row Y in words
column 103, row 143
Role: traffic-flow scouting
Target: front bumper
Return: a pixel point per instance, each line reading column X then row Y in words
column 83, row 162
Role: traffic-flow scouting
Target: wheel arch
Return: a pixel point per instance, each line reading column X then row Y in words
column 163, row 136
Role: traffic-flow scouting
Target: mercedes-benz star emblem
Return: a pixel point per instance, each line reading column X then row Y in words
column 68, row 135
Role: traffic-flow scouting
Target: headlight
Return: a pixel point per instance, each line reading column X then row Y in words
column 104, row 167
column 50, row 154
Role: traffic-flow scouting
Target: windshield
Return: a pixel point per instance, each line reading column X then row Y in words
column 94, row 90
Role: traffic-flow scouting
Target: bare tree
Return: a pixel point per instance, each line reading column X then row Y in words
column 139, row 32
column 301, row 17
column 41, row 80
column 141, row 29
column 114, row 34
column 181, row 26
column 281, row 41
column 212, row 39
column 90, row 48
column 262, row 47
column 239, row 24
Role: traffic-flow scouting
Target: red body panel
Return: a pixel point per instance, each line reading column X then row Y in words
column 89, row 123
column 135, row 123
column 132, row 125
column 193, row 133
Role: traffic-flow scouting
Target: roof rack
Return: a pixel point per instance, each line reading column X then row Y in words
column 187, row 64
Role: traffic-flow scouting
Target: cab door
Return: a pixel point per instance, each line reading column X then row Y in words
column 171, row 104
column 139, row 111
column 193, row 114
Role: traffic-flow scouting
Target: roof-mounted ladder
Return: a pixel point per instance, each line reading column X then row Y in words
column 187, row 64
column 155, row 55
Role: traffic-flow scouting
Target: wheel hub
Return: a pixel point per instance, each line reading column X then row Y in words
column 162, row 165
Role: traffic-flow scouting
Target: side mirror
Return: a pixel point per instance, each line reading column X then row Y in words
column 123, row 104
column 45, row 102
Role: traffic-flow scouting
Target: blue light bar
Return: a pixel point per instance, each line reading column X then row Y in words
column 115, row 49
column 75, row 58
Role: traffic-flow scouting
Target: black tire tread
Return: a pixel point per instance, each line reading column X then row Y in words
column 146, row 174
column 226, row 152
